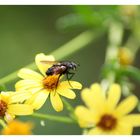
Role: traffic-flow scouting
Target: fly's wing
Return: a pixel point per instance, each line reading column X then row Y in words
column 54, row 63
column 43, row 68
column 48, row 62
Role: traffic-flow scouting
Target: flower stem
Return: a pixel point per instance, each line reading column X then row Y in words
column 69, row 107
column 116, row 31
column 2, row 123
column 67, row 49
column 75, row 44
column 53, row 118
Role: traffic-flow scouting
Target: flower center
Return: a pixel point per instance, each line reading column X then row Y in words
column 51, row 82
column 3, row 108
column 107, row 122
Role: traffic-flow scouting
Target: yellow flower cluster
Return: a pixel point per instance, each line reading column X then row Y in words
column 104, row 114
column 11, row 104
column 32, row 92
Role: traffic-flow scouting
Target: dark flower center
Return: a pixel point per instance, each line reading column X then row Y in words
column 107, row 122
column 51, row 82
column 3, row 108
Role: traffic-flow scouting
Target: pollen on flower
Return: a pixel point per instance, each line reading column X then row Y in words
column 107, row 122
column 3, row 108
column 51, row 82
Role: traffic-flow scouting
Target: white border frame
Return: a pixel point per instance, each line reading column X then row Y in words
column 69, row 137
column 69, row 2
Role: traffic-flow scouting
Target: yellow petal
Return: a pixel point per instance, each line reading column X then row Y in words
column 94, row 98
column 124, row 128
column 133, row 120
column 85, row 117
column 42, row 66
column 120, row 130
column 66, row 93
column 96, row 88
column 95, row 131
column 29, row 74
column 20, row 109
column 39, row 99
column 103, row 132
column 19, row 97
column 88, row 97
column 30, row 85
column 126, row 106
column 70, row 85
column 31, row 99
column 56, row 102
column 114, row 95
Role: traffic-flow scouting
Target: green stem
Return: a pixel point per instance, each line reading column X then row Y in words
column 69, row 48
column 53, row 118
column 2, row 123
column 79, row 42
column 133, row 45
column 115, row 40
column 69, row 107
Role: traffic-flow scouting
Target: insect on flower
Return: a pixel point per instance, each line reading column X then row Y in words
column 46, row 83
column 62, row 68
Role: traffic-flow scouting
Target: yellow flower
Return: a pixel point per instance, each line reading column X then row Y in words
column 103, row 114
column 125, row 56
column 11, row 105
column 18, row 128
column 41, row 86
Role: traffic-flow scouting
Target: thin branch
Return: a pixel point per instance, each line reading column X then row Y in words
column 53, row 118
column 69, row 48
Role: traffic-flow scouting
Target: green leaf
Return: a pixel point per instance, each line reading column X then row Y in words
column 130, row 71
column 88, row 16
column 2, row 88
column 86, row 12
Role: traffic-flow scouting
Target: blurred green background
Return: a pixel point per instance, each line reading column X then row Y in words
column 28, row 30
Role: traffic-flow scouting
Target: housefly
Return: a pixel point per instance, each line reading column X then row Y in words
column 62, row 68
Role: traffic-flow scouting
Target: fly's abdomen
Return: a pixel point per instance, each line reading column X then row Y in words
column 49, row 71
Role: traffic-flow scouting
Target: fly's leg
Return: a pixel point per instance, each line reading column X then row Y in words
column 71, row 75
column 58, row 80
column 69, row 78
column 57, row 83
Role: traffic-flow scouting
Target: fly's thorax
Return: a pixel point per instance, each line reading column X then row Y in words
column 70, row 65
